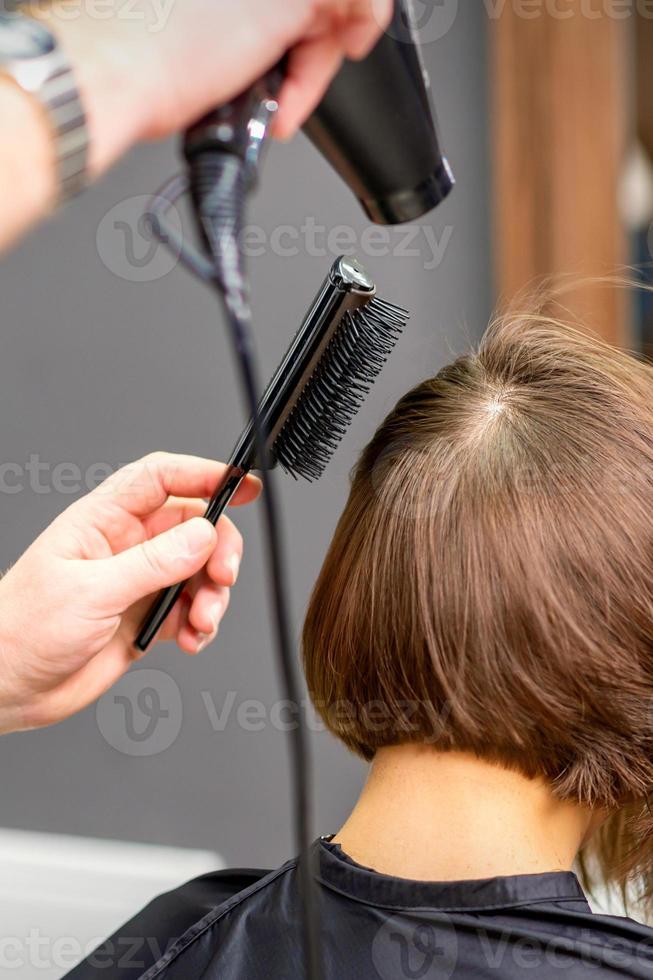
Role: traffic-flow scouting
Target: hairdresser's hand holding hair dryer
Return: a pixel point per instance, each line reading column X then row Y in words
column 70, row 605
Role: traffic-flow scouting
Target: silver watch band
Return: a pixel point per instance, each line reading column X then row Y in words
column 50, row 79
column 60, row 97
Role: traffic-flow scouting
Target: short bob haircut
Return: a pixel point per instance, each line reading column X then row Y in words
column 490, row 584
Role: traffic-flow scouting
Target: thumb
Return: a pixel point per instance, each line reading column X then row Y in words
column 170, row 558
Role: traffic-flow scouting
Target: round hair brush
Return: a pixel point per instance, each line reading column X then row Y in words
column 332, row 363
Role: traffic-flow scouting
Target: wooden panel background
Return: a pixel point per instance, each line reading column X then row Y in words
column 644, row 50
column 561, row 117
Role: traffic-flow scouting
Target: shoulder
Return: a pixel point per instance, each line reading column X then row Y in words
column 155, row 931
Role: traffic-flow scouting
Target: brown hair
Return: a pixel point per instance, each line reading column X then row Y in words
column 490, row 584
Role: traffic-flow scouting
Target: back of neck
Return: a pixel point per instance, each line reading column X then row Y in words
column 449, row 816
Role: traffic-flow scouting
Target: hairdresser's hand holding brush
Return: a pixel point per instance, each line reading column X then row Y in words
column 148, row 68
column 70, row 606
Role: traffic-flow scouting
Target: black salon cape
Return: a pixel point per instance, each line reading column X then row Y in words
column 244, row 925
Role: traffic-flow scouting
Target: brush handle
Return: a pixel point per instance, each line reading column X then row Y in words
column 166, row 601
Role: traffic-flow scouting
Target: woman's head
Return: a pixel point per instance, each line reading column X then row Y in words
column 490, row 585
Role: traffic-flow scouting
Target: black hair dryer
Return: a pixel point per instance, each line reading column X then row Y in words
column 376, row 126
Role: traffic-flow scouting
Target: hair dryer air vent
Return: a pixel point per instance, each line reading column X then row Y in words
column 377, row 128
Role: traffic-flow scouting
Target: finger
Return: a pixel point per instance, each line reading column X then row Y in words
column 224, row 564
column 201, row 610
column 366, row 21
column 208, row 609
column 120, row 531
column 192, row 642
column 311, row 68
column 134, row 617
column 248, row 491
column 357, row 40
column 155, row 564
column 143, row 487
column 325, row 21
column 178, row 618
column 175, row 511
column 359, row 23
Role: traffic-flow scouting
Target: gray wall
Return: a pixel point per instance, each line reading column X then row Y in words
column 99, row 368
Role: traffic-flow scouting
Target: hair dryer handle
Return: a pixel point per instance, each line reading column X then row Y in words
column 239, row 127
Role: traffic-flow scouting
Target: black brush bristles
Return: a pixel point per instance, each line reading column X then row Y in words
column 334, row 393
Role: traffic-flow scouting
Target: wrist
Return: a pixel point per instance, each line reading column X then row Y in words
column 32, row 172
column 12, row 720
column 12, row 697
column 108, row 67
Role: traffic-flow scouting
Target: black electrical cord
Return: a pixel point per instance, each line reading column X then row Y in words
column 219, row 187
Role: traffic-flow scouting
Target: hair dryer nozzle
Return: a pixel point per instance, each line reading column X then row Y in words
column 377, row 127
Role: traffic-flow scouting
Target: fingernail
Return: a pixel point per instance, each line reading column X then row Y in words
column 205, row 639
column 195, row 536
column 234, row 565
column 215, row 615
